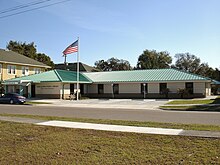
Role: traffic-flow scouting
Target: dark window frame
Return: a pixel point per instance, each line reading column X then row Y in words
column 163, row 87
column 115, row 88
column 100, row 88
column 189, row 87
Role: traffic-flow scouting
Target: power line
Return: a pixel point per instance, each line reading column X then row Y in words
column 36, row 8
column 23, row 6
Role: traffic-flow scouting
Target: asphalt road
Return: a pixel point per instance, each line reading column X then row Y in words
column 212, row 118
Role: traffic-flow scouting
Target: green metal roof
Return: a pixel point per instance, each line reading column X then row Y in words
column 215, row 82
column 71, row 76
column 53, row 76
column 15, row 58
column 150, row 75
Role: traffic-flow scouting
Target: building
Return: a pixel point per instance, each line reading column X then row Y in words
column 13, row 65
column 215, row 86
column 152, row 83
column 73, row 67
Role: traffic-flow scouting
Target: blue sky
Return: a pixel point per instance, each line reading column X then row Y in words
column 118, row 28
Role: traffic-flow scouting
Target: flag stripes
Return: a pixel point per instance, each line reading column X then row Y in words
column 71, row 49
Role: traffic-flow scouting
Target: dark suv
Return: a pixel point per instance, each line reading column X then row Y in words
column 12, row 98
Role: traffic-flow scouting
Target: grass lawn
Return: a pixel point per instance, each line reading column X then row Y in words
column 192, row 108
column 199, row 127
column 196, row 101
column 31, row 144
column 214, row 105
column 191, row 102
column 35, row 102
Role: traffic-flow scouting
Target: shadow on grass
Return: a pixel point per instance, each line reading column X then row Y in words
column 216, row 101
column 201, row 108
column 205, row 108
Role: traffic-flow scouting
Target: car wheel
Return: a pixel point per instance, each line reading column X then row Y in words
column 11, row 102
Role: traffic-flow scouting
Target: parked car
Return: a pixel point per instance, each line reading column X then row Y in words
column 13, row 98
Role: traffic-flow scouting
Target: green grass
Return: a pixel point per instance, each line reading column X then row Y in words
column 196, row 101
column 32, row 144
column 191, row 102
column 192, row 108
column 123, row 122
column 203, row 105
column 33, row 102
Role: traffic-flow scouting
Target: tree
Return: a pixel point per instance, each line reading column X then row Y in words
column 30, row 51
column 150, row 59
column 205, row 70
column 216, row 74
column 41, row 57
column 187, row 62
column 191, row 63
column 113, row 64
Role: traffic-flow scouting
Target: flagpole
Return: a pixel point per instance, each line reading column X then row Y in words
column 65, row 61
column 77, row 85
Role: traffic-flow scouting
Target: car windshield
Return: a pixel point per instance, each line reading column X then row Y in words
column 12, row 95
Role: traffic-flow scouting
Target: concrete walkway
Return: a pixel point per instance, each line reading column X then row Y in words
column 150, row 104
column 118, row 128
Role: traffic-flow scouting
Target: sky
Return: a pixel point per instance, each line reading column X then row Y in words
column 121, row 29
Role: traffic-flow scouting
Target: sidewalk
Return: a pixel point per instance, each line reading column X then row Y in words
column 150, row 104
column 118, row 128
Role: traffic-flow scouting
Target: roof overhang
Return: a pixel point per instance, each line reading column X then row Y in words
column 162, row 81
column 215, row 82
column 33, row 65
column 17, row 82
column 81, row 82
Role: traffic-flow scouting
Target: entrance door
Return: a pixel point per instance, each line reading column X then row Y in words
column 72, row 89
column 33, row 94
column 82, row 89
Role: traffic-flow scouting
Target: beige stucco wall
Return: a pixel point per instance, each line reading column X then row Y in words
column 65, row 89
column 108, row 88
column 199, row 87
column 48, row 88
column 123, row 88
column 208, row 89
column 92, row 88
column 153, row 87
column 129, row 88
column 174, row 86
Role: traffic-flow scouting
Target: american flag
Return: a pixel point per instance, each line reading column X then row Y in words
column 71, row 49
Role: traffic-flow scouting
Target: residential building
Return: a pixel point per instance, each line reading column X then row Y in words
column 13, row 65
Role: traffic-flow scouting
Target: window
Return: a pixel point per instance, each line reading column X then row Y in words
column 11, row 69
column 163, row 87
column 0, row 68
column 189, row 87
column 115, row 88
column 36, row 70
column 25, row 70
column 144, row 86
column 100, row 88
